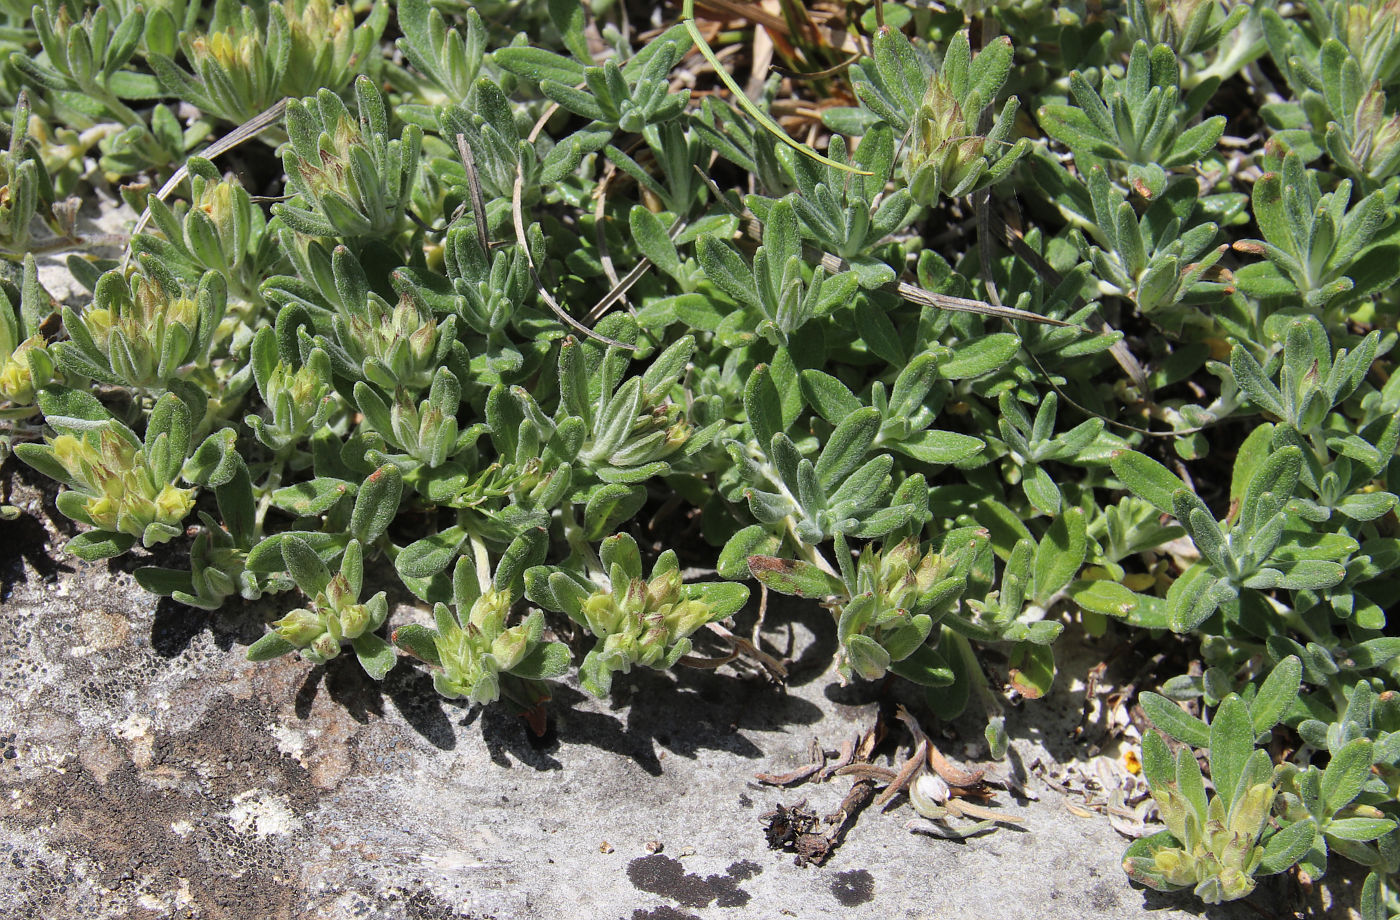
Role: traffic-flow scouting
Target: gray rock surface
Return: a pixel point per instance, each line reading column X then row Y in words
column 148, row 771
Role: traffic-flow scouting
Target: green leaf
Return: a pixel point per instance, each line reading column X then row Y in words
column 1139, row 862
column 305, row 566
column 164, row 581
column 1358, row 830
column 831, row 399
column 568, row 17
column 1194, row 596
column 539, row 64
column 723, row 598
column 653, row 241
column 1041, row 489
column 925, row 666
column 1157, row 765
column 1276, row 478
column 575, row 100
column 950, row 701
column 376, row 656
column 1191, row 783
column 432, row 554
column 1287, row 847
column 1147, row 479
column 1109, row 598
column 940, row 447
column 1277, row 694
column 754, row 540
column 545, row 661
column 865, row 485
column 1263, row 279
column 913, row 384
column 71, row 409
column 1346, row 773
column 763, row 406
column 1003, row 525
column 781, row 238
column 1375, row 652
column 95, row 545
column 1174, row 720
column 268, row 647
column 376, row 504
column 525, row 551
column 1032, row 669
column 610, row 505
column 315, row 496
column 1231, row 743
column 726, row 270
column 619, row 552
column 1310, row 575
column 1060, row 554
column 845, row 449
column 867, row 657
column 1252, row 380
column 1372, row 902
column 871, row 273
column 979, row 356
column 216, row 461
column 791, row 576
column 419, row 641
column 1251, row 454
column 1076, row 130
column 41, row 458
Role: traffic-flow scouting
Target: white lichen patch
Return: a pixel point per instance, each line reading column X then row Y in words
column 290, row 742
column 262, row 814
column 103, row 630
column 133, row 727
column 151, row 902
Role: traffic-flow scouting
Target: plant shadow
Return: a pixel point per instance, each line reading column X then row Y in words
column 26, row 544
column 1269, row 899
column 684, row 714
column 175, row 626
column 792, row 625
column 24, row 540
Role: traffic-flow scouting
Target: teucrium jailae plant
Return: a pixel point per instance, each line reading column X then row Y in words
column 1218, row 844
column 514, row 321
column 948, row 154
column 636, row 620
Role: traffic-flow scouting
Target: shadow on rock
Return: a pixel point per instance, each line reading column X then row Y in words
column 509, row 739
column 347, row 685
column 794, row 623
column 1270, row 893
column 25, row 541
column 410, row 690
column 175, row 626
column 684, row 714
column 413, row 695
column 690, row 710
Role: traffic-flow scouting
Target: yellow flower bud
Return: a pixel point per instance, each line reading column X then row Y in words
column 602, row 614
column 17, row 384
column 354, row 620
column 323, row 649
column 103, row 511
column 98, row 323
column 489, row 612
column 301, row 627
column 509, row 648
column 172, row 504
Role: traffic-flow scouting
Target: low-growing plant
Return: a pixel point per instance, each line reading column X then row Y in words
column 567, row 338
